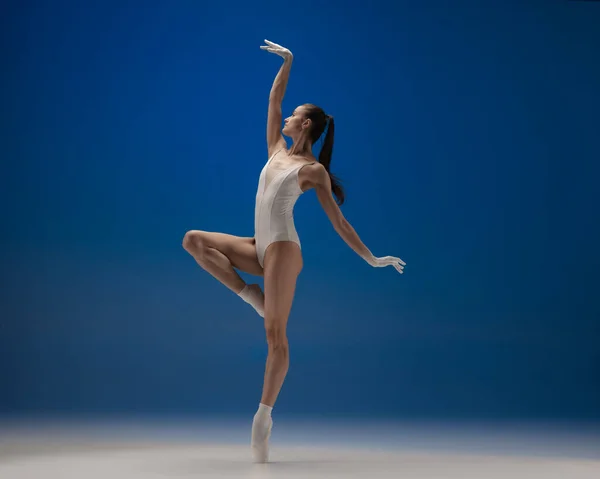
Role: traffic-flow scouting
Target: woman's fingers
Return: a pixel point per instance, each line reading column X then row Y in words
column 395, row 260
column 277, row 49
column 396, row 265
column 391, row 261
column 271, row 45
column 272, row 50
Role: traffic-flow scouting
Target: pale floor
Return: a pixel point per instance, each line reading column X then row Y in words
column 299, row 449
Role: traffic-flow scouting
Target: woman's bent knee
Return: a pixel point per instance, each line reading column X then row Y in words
column 192, row 241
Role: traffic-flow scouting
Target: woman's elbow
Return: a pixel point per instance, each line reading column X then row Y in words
column 340, row 223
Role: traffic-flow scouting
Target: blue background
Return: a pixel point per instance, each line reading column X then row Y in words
column 467, row 141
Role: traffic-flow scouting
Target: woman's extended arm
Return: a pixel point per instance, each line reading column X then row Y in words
column 275, row 139
column 320, row 179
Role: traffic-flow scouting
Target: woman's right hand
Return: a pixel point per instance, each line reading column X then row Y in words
column 277, row 49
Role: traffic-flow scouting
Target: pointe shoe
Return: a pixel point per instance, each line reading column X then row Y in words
column 260, row 450
column 257, row 292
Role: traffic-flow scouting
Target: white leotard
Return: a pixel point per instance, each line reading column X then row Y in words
column 277, row 193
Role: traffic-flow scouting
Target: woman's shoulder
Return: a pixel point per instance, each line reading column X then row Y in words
column 315, row 172
column 276, row 147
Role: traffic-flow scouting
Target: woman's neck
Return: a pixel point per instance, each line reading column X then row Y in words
column 301, row 148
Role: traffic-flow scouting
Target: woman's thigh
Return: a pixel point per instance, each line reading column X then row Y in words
column 283, row 263
column 240, row 250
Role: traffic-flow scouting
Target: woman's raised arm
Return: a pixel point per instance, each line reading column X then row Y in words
column 275, row 140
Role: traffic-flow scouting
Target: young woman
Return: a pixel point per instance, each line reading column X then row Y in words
column 274, row 252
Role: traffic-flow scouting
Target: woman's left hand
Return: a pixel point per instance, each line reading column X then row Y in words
column 387, row 261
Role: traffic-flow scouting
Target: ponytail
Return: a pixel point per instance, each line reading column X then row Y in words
column 325, row 160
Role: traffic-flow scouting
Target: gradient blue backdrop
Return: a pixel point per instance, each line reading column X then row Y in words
column 466, row 138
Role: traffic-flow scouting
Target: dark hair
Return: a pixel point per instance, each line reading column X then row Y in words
column 319, row 123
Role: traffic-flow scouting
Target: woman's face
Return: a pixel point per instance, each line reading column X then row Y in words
column 295, row 123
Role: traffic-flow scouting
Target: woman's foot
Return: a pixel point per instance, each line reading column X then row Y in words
column 261, row 431
column 254, row 296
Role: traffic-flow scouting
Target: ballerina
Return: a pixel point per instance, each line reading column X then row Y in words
column 274, row 251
